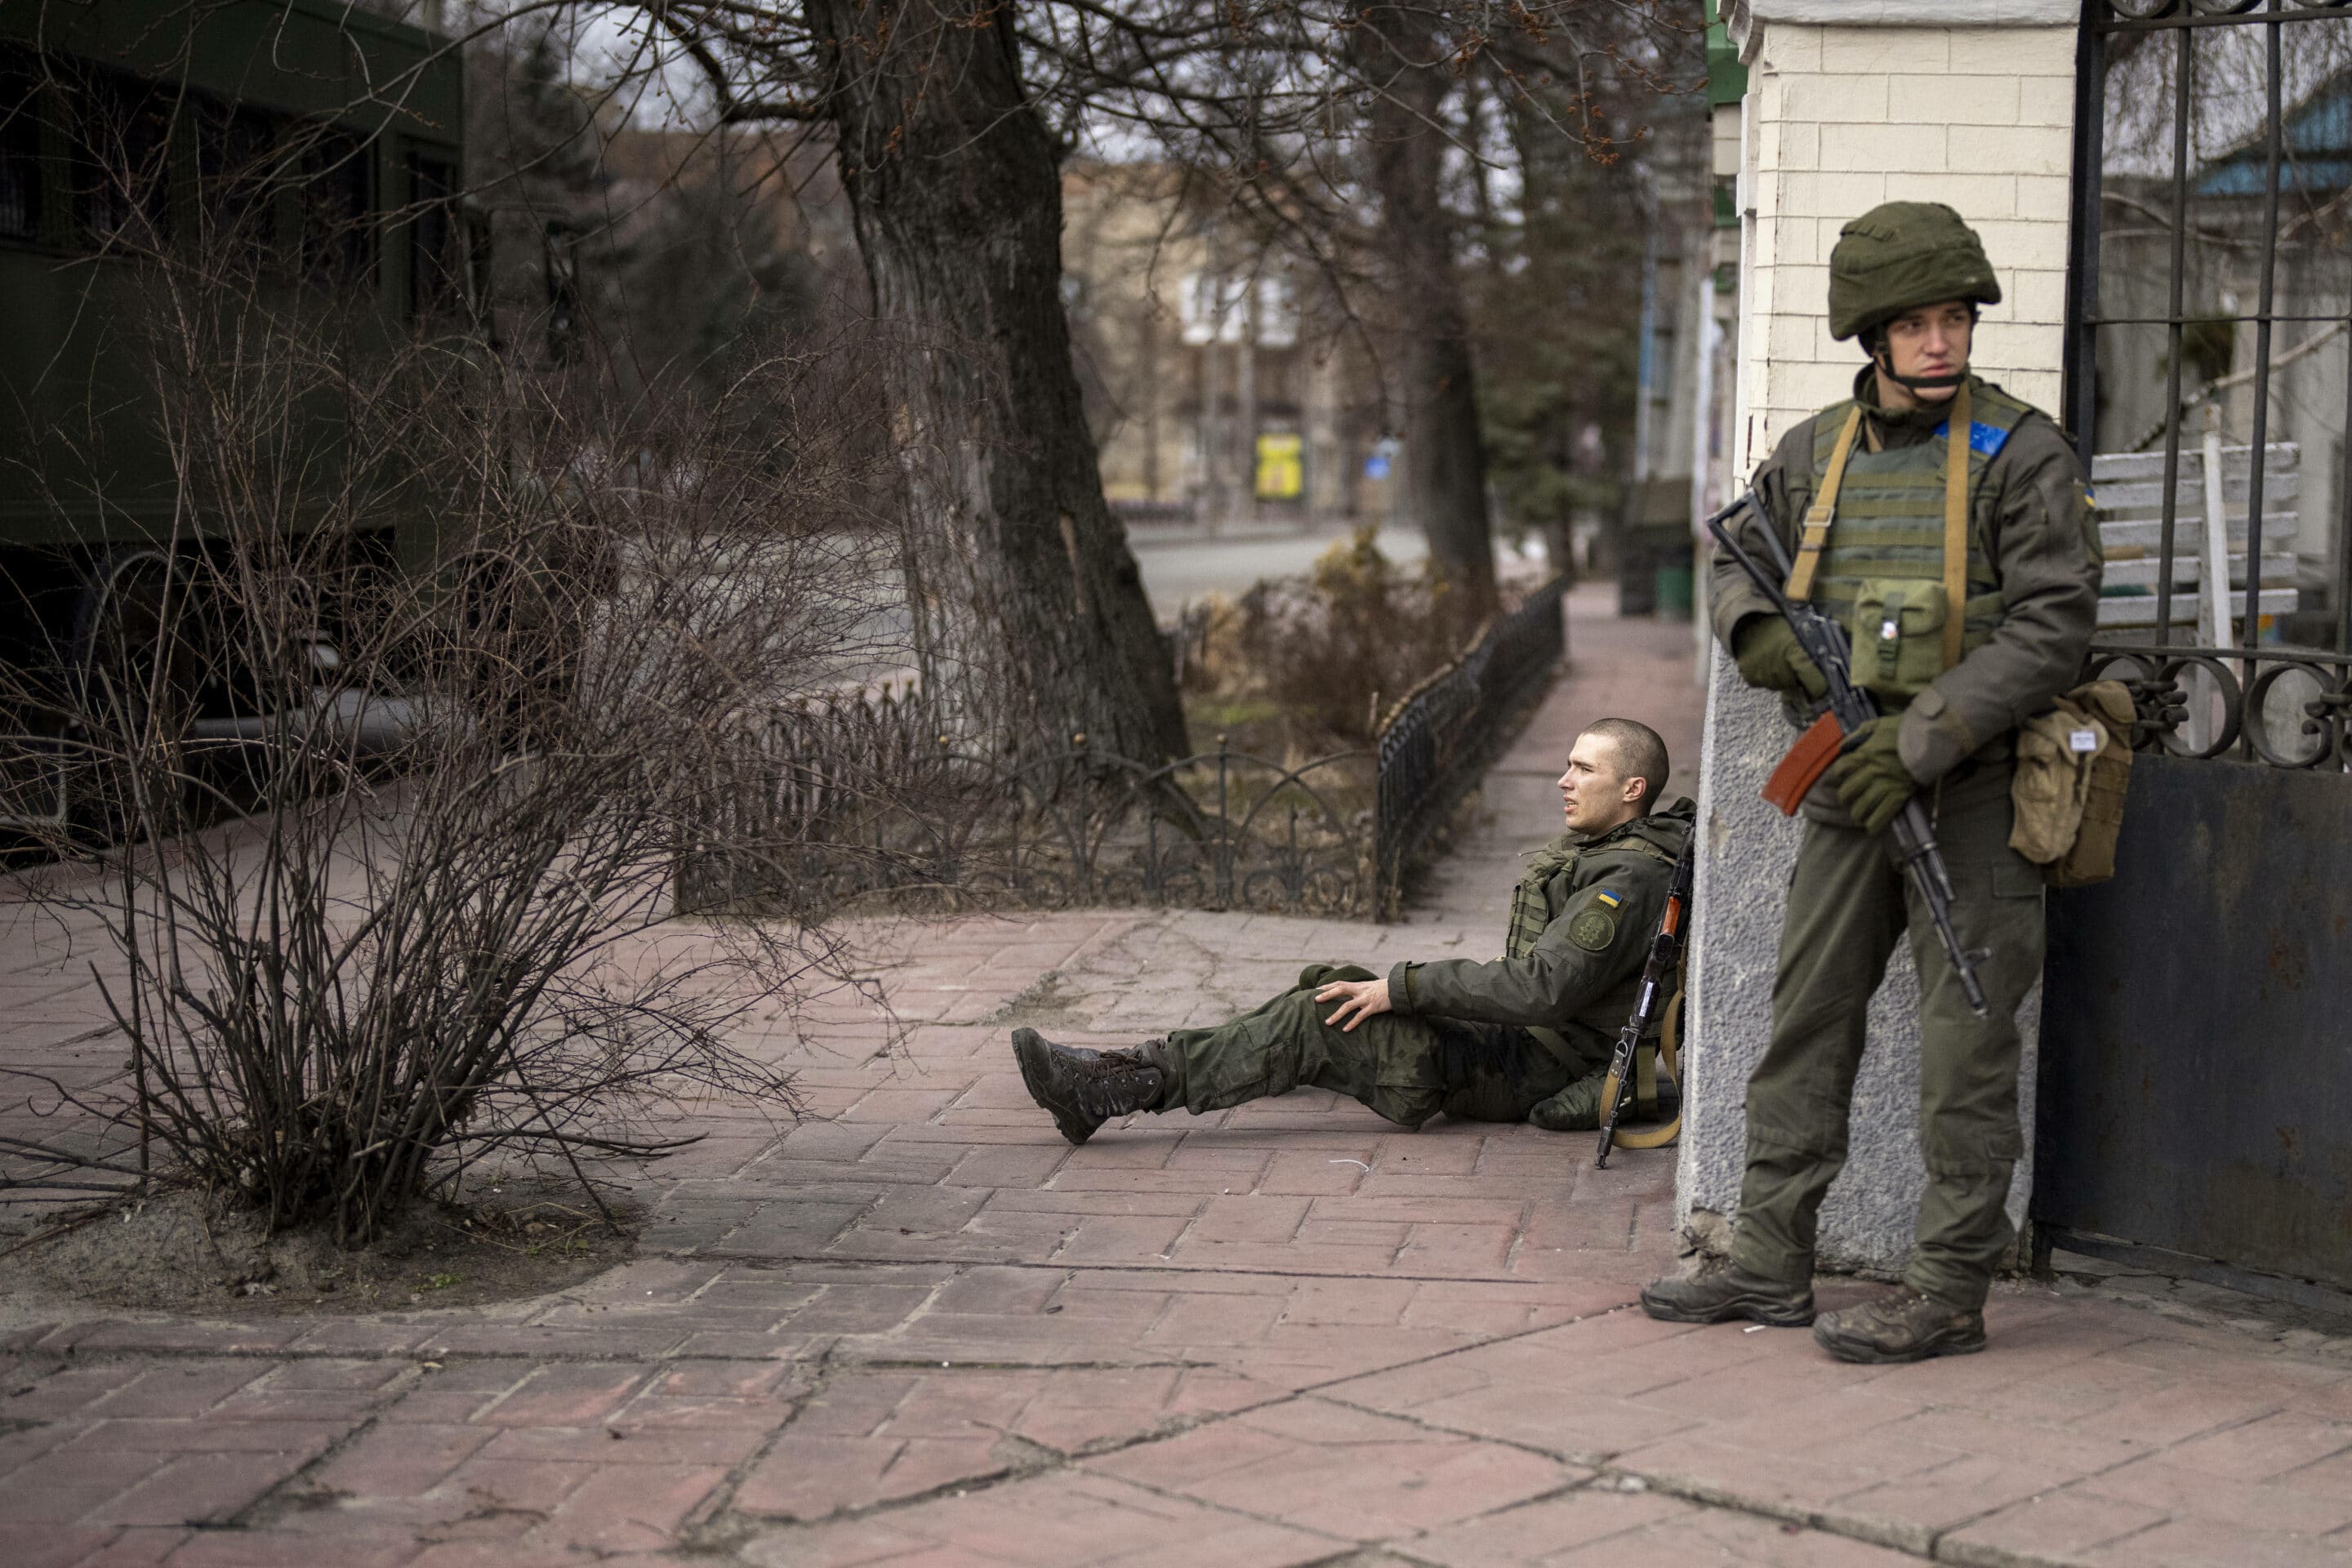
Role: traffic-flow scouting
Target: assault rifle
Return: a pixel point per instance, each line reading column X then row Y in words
column 1850, row 708
column 1657, row 977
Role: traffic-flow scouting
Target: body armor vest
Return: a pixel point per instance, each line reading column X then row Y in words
column 1533, row 908
column 1881, row 572
column 1532, row 904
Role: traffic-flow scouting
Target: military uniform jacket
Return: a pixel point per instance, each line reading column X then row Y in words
column 1581, row 919
column 2029, row 527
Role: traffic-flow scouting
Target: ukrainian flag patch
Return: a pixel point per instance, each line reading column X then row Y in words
column 1611, row 897
column 1988, row 440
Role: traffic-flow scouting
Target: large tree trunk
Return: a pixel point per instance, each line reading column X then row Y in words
column 1030, row 598
column 1445, row 455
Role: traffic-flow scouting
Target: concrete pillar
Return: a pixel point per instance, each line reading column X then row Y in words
column 1850, row 104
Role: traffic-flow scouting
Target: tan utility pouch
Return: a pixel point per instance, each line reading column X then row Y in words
column 2074, row 766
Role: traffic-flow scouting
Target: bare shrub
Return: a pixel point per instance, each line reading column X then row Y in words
column 381, row 759
column 1321, row 659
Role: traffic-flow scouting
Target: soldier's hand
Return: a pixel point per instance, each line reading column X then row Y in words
column 1357, row 999
column 1769, row 656
column 1870, row 776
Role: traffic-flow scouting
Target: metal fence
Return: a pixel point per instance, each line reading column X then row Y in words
column 2211, row 302
column 1441, row 738
column 802, row 829
column 2210, row 317
column 797, row 824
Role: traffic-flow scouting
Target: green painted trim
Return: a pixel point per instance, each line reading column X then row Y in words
column 24, row 21
column 1727, row 78
column 65, row 306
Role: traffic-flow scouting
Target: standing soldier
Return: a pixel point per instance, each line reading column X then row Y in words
column 1946, row 525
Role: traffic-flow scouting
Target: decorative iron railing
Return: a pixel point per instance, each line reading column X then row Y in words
column 2141, row 16
column 1442, row 736
column 1222, row 829
column 2295, row 711
column 2209, row 322
column 798, row 825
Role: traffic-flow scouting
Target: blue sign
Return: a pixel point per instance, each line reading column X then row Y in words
column 1376, row 466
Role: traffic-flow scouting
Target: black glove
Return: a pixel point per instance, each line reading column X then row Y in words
column 1769, row 657
column 1869, row 774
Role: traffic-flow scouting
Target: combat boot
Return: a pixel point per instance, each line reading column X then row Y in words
column 1084, row 1089
column 1719, row 1291
column 1576, row 1109
column 1899, row 1325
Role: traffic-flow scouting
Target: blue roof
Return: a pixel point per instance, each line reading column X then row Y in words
column 2314, row 149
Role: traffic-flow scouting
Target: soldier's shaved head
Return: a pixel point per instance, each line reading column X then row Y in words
column 1641, row 754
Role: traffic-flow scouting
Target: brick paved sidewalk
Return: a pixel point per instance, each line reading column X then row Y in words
column 924, row 1332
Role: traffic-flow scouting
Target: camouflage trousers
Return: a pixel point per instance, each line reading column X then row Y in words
column 1848, row 906
column 1406, row 1068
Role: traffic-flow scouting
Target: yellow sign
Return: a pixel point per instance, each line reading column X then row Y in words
column 1281, row 468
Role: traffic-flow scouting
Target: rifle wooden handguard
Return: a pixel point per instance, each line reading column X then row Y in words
column 1809, row 758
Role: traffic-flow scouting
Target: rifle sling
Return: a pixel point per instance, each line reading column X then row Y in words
column 1554, row 1041
column 1956, row 526
column 1824, row 510
column 1669, row 1056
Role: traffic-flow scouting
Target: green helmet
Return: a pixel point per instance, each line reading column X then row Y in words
column 1899, row 256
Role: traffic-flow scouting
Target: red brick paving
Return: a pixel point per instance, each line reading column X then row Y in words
column 925, row 1331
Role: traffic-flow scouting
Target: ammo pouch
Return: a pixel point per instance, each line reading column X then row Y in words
column 2073, row 765
column 1897, row 633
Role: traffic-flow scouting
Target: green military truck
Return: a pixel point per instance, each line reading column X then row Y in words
column 312, row 147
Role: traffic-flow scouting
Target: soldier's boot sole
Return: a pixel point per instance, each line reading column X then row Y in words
column 1863, row 1352
column 1037, row 1075
column 1773, row 1312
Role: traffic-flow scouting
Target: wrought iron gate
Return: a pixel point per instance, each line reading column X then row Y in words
column 2196, row 1050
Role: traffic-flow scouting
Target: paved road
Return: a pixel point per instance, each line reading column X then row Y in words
column 1177, row 571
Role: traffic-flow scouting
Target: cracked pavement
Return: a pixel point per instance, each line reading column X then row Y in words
column 921, row 1331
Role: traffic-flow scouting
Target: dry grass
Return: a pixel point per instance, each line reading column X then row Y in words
column 1298, row 668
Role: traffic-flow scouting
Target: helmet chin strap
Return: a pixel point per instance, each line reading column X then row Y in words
column 1885, row 364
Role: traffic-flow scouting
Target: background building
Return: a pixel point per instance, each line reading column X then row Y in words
column 1220, row 382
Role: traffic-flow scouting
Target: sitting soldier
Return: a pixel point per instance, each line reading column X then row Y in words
column 1525, row 1038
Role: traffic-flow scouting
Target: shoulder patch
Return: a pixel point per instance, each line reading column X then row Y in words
column 1986, row 440
column 1611, row 897
column 1593, row 931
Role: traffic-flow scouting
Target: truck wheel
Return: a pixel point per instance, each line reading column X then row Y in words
column 137, row 668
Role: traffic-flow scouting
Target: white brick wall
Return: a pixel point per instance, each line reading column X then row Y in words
column 1841, row 118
